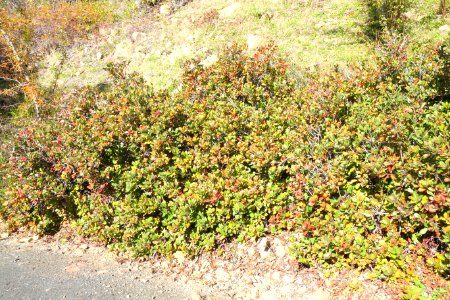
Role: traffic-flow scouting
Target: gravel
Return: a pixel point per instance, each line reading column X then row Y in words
column 67, row 266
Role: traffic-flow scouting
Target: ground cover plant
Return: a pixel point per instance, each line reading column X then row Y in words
column 355, row 163
column 352, row 160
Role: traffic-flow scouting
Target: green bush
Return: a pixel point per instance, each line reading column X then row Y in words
column 158, row 173
column 380, row 198
column 386, row 16
column 357, row 164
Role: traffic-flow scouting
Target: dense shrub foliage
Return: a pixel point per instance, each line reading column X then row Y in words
column 355, row 162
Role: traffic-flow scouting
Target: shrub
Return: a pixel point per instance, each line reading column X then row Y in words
column 356, row 164
column 376, row 193
column 386, row 16
column 156, row 173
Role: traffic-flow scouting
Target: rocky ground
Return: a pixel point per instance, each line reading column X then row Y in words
column 67, row 266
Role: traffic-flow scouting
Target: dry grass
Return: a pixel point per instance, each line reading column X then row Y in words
column 309, row 33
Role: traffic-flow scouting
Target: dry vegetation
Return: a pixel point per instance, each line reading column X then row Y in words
column 339, row 135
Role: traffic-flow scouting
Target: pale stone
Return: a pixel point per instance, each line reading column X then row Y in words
column 157, row 52
column 287, row 279
column 280, row 251
column 320, row 25
column 196, row 274
column 264, row 248
column 210, row 60
column 123, row 50
column 229, row 11
column 165, row 9
column 99, row 55
column 196, row 296
column 78, row 252
column 263, row 245
column 103, row 31
column 254, row 42
column 222, row 275
column 4, row 235
column 208, row 277
column 319, row 295
column 276, row 276
column 265, row 254
column 26, row 239
column 164, row 265
column 136, row 36
column 179, row 256
column 444, row 29
column 84, row 246
column 254, row 293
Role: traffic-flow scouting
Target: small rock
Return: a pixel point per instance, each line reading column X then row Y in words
column 157, row 53
column 84, row 246
column 319, row 295
column 254, row 42
column 4, row 235
column 196, row 274
column 222, row 275
column 179, row 256
column 268, row 15
column 208, row 277
column 264, row 248
column 165, row 9
column 444, row 29
column 276, row 276
column 164, row 265
column 136, row 36
column 320, row 25
column 99, row 55
column 124, row 49
column 251, row 252
column 287, row 279
column 280, row 251
column 210, row 60
column 229, row 10
column 78, row 252
column 196, row 296
column 254, row 293
column 263, row 244
column 26, row 239
column 103, row 31
column 35, row 237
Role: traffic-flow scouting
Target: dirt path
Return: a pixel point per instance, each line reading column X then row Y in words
column 35, row 270
column 67, row 266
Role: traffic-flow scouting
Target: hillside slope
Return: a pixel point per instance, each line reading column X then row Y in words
column 155, row 42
